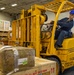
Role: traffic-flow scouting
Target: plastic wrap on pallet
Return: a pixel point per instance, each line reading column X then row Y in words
column 13, row 59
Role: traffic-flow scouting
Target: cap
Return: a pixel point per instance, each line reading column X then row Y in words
column 72, row 12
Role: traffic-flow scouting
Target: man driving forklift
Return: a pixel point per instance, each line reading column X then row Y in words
column 65, row 25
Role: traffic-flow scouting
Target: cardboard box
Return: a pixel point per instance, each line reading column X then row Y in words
column 4, row 25
column 42, row 67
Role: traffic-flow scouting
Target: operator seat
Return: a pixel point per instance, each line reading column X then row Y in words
column 68, row 42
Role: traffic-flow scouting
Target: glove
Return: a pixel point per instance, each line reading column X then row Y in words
column 58, row 27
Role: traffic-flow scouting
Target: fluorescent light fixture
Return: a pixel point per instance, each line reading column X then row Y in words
column 2, row 8
column 13, row 5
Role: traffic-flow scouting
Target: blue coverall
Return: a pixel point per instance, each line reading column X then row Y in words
column 64, row 31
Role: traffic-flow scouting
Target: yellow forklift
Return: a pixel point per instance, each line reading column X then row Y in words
column 26, row 31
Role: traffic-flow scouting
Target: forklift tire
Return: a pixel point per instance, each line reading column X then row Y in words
column 59, row 71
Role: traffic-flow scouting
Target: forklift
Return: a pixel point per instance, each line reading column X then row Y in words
column 26, row 31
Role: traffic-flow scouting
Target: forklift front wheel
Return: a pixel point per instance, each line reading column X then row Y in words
column 58, row 65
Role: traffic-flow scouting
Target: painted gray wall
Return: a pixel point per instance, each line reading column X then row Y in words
column 5, row 16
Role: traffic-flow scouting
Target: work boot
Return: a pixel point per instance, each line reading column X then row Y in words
column 58, row 46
